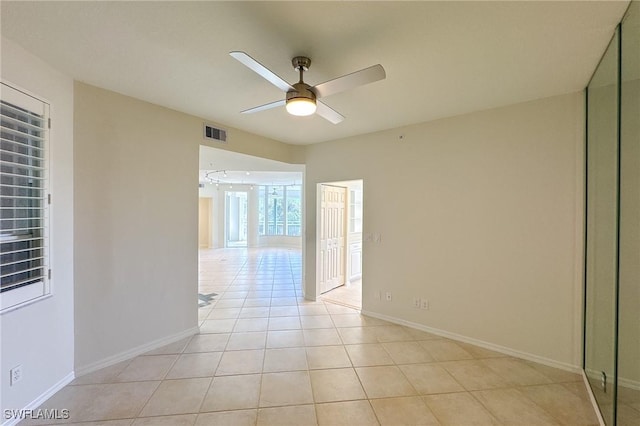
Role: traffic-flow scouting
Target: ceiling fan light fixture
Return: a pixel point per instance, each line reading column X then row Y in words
column 301, row 106
column 301, row 101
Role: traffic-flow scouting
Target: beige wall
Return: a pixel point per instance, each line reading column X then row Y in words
column 136, row 216
column 39, row 336
column 482, row 214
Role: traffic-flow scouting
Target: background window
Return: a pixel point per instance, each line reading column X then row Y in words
column 275, row 210
column 262, row 226
column 279, row 210
column 294, row 211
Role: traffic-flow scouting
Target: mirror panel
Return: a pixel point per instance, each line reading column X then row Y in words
column 628, row 395
column 602, row 231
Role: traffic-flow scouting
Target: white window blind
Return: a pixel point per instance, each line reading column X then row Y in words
column 23, row 198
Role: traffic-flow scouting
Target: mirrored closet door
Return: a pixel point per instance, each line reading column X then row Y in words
column 612, row 256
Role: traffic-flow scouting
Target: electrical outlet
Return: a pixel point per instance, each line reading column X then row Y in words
column 416, row 302
column 15, row 374
column 424, row 304
column 388, row 296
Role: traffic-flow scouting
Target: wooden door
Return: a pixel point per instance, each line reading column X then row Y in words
column 332, row 236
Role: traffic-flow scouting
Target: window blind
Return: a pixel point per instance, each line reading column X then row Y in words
column 22, row 194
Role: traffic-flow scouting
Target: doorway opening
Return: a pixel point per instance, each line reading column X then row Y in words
column 339, row 242
column 236, row 227
column 241, row 220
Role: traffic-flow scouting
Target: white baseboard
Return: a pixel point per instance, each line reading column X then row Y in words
column 133, row 352
column 497, row 348
column 43, row 397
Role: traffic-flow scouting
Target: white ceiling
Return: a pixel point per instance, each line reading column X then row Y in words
column 239, row 177
column 215, row 163
column 441, row 58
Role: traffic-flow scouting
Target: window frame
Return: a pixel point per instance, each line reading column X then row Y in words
column 265, row 211
column 19, row 296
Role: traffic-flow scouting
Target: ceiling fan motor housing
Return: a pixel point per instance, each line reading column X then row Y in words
column 301, row 90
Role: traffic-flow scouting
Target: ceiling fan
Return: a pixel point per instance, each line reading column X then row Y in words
column 301, row 98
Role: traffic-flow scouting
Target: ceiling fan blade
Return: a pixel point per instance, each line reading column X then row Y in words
column 346, row 82
column 328, row 113
column 263, row 71
column 264, row 107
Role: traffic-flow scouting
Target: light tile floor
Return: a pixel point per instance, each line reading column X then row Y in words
column 266, row 356
column 348, row 295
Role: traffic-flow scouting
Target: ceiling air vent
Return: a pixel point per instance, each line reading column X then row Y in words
column 215, row 134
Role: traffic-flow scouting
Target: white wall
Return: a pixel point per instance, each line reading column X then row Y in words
column 482, row 214
column 282, row 241
column 40, row 336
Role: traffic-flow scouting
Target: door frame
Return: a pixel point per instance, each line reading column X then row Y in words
column 319, row 229
column 226, row 218
column 346, row 183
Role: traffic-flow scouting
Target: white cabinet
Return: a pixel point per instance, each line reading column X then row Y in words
column 355, row 257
